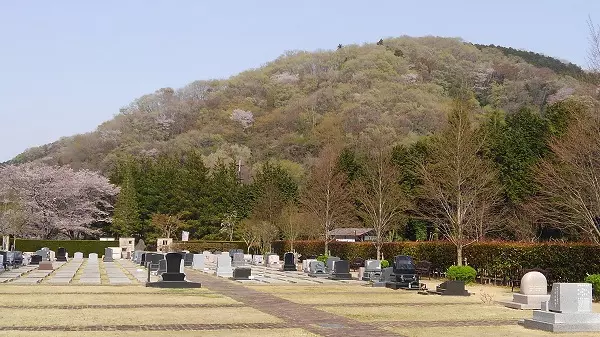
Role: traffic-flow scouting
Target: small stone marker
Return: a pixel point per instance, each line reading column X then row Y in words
column 532, row 293
column 452, row 288
column 238, row 260
column 306, row 264
column 289, row 262
column 372, row 270
column 46, row 265
column 330, row 261
column 568, row 310
column 257, row 260
column 188, row 260
column 78, row 256
column 242, row 273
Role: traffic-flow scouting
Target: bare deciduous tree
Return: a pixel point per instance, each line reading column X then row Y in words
column 569, row 196
column 382, row 200
column 167, row 224
column 459, row 193
column 248, row 231
column 325, row 195
column 593, row 55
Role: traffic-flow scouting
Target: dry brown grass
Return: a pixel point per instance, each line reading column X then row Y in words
column 46, row 288
column 206, row 333
column 428, row 313
column 477, row 331
column 388, row 297
column 142, row 298
column 137, row 316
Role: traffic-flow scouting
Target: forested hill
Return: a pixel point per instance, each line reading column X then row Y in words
column 289, row 107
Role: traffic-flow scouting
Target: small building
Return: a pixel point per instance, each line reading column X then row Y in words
column 352, row 234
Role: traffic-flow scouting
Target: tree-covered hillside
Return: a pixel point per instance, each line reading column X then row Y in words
column 289, row 108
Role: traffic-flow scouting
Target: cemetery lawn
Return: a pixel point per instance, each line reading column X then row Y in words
column 477, row 331
column 204, row 333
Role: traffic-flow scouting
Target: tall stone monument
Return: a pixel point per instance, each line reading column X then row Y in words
column 568, row 310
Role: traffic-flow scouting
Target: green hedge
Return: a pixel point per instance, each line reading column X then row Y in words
column 568, row 262
column 200, row 246
column 72, row 246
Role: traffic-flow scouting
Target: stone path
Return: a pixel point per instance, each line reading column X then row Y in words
column 297, row 315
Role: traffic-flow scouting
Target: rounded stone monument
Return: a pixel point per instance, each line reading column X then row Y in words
column 534, row 283
column 534, row 291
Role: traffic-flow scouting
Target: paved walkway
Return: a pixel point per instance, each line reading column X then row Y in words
column 297, row 315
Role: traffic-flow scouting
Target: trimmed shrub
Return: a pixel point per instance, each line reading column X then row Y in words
column 322, row 258
column 72, row 246
column 200, row 246
column 461, row 273
column 385, row 263
column 594, row 279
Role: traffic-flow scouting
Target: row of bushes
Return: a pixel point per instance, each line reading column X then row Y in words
column 72, row 246
column 200, row 246
column 567, row 262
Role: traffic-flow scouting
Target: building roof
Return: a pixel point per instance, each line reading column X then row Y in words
column 350, row 231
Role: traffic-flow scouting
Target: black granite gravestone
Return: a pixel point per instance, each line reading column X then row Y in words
column 162, row 267
column 153, row 264
column 145, row 257
column 452, row 288
column 242, row 273
column 18, row 258
column 61, row 254
column 289, row 263
column 35, row 259
column 188, row 260
column 341, row 271
column 173, row 278
column 404, row 274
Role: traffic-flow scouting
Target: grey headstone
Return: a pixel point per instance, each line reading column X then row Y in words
column 198, row 262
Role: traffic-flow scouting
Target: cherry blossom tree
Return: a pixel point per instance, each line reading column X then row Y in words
column 58, row 201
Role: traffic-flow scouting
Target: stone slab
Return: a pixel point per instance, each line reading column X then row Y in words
column 119, row 280
column 27, row 280
column 89, row 280
column 566, row 327
column 59, row 280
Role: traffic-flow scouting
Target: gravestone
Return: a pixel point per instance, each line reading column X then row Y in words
column 78, row 256
column 173, row 277
column 568, row 310
column 44, row 253
column 248, row 258
column 162, row 267
column 532, row 293
column 188, row 260
column 2, row 263
column 46, row 265
column 405, row 274
column 61, row 254
column 387, row 275
column 257, row 260
column 18, row 258
column 242, row 273
column 452, row 288
column 4, row 256
column 317, row 269
column 238, row 260
column 372, row 270
column 272, row 260
column 289, row 262
column 306, row 264
column 92, row 258
column 341, row 270
column 330, row 261
column 108, row 255
column 141, row 246
column 224, row 266
column 198, row 262
column 234, row 251
column 154, row 262
column 35, row 259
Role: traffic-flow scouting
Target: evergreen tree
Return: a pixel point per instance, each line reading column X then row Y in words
column 126, row 220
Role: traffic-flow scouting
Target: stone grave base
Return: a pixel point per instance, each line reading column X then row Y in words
column 563, row 322
column 318, row 275
column 290, row 267
column 400, row 285
column 173, row 284
column 338, row 276
column 526, row 302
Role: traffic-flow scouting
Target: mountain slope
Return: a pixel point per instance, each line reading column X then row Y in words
column 291, row 106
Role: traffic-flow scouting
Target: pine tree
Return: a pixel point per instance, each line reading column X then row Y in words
column 126, row 220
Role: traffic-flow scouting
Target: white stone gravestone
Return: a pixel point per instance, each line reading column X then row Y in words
column 198, row 262
column 78, row 256
column 306, row 263
column 533, row 292
column 248, row 258
column 257, row 260
column 568, row 310
column 93, row 258
column 224, row 266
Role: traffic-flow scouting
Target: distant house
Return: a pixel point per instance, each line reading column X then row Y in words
column 352, row 234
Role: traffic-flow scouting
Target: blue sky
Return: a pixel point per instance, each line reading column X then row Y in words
column 67, row 66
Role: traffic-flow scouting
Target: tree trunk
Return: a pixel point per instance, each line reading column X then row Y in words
column 326, row 247
column 378, row 250
column 459, row 251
